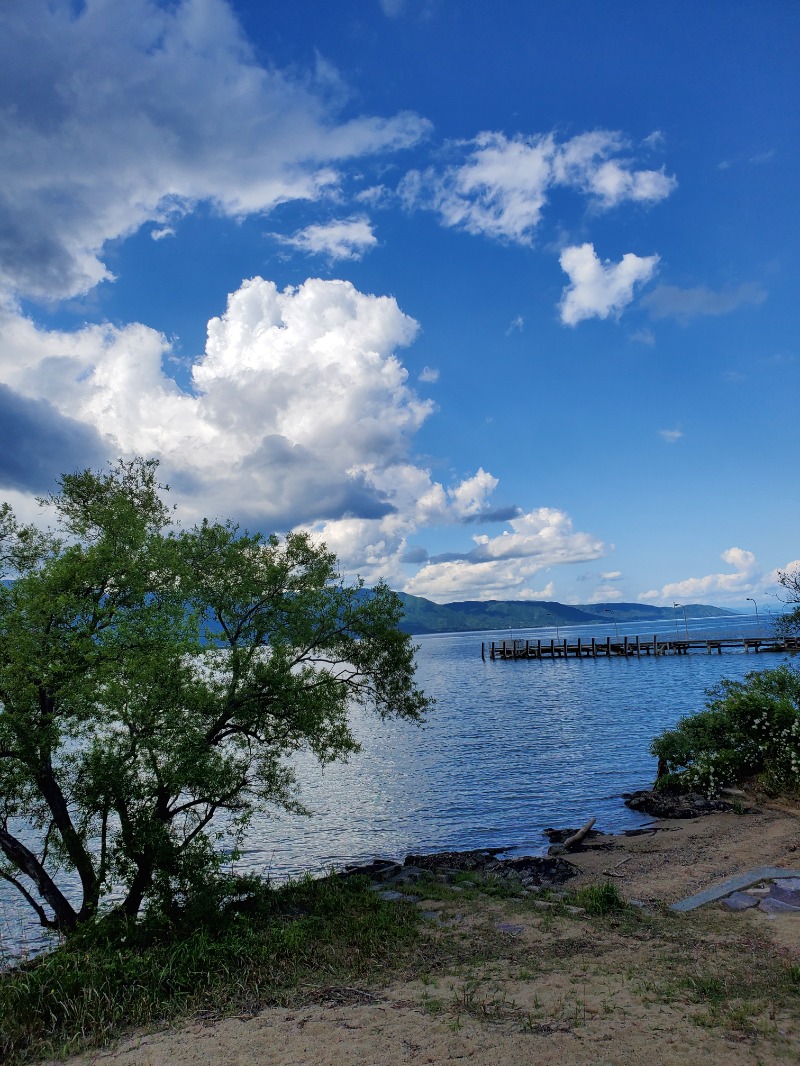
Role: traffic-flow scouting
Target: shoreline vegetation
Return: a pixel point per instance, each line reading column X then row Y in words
column 467, row 957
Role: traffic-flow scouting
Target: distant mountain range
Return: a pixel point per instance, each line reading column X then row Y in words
column 424, row 616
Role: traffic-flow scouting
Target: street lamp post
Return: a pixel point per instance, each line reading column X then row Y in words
column 758, row 623
column 685, row 623
column 609, row 611
column 555, row 620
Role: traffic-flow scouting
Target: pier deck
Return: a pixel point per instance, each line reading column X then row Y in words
column 607, row 647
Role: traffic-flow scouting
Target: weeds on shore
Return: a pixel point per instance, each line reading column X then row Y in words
column 252, row 954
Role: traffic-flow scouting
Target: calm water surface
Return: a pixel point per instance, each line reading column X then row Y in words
column 509, row 749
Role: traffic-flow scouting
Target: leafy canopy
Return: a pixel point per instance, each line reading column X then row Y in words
column 152, row 678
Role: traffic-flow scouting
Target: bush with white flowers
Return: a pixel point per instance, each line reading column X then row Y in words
column 749, row 731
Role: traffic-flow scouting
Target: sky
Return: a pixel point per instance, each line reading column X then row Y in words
column 499, row 300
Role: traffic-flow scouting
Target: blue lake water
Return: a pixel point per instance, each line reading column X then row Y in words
column 509, row 749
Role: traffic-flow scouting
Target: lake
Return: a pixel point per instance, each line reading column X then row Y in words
column 510, row 749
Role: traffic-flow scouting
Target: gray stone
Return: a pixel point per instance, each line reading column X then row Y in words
column 740, row 901
column 396, row 897
column 708, row 895
column 785, row 895
column 408, row 875
column 506, row 927
column 777, row 906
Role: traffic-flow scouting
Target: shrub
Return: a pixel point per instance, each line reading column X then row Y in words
column 750, row 729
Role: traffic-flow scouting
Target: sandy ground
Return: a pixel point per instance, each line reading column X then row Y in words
column 550, row 989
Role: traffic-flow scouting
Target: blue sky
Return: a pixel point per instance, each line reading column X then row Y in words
column 498, row 300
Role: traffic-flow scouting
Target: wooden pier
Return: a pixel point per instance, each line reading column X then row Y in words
column 630, row 646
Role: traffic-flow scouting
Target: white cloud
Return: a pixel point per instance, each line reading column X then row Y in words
column 644, row 336
column 297, row 402
column 670, row 435
column 743, row 580
column 347, row 238
column 429, row 374
column 118, row 114
column 160, row 232
column 501, row 567
column 605, row 594
column 300, row 415
column 517, row 325
column 501, row 188
column 670, row 301
column 598, row 289
column 612, row 575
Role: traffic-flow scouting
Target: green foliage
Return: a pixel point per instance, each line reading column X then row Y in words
column 153, row 682
column 750, row 729
column 603, row 898
column 256, row 946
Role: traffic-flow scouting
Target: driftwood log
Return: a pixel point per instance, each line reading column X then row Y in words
column 576, row 838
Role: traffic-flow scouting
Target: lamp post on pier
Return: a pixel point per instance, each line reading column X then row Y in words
column 609, row 611
column 758, row 623
column 685, row 623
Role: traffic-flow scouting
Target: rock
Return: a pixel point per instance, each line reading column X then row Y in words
column 506, row 927
column 740, row 901
column 395, row 897
column 785, row 895
column 777, row 906
column 378, row 870
column 454, row 861
column 673, row 805
column 407, row 875
column 531, row 870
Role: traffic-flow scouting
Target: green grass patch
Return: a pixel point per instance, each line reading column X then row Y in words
column 599, row 899
column 260, row 949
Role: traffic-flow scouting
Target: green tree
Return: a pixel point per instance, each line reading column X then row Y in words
column 153, row 682
column 788, row 624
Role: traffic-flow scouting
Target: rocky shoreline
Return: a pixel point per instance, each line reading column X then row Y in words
column 542, row 872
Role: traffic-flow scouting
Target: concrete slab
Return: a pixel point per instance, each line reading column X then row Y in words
column 709, row 895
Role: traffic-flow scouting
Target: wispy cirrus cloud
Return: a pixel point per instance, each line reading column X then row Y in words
column 671, row 436
column 347, row 238
column 684, row 304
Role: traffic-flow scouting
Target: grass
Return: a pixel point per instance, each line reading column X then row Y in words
column 95, row 986
column 332, row 941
